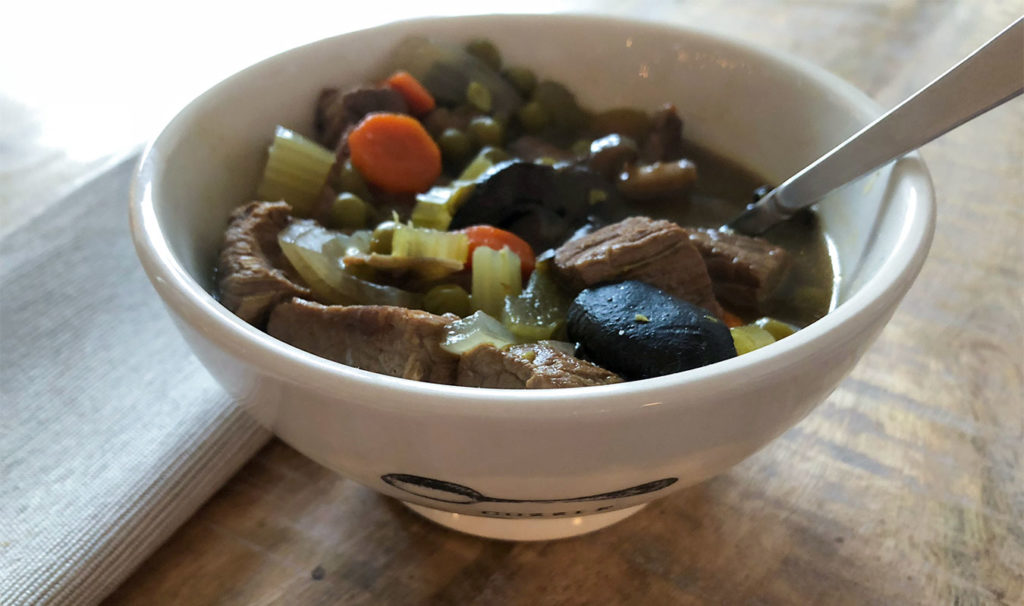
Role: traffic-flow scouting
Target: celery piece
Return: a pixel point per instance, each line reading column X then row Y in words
column 540, row 311
column 431, row 209
column 473, row 331
column 496, row 275
column 435, row 207
column 429, row 243
column 296, row 171
column 520, row 316
column 485, row 159
column 749, row 337
column 461, row 192
column 778, row 329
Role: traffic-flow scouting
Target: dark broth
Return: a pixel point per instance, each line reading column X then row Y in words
column 723, row 190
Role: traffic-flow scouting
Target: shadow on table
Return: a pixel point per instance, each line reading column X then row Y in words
column 286, row 530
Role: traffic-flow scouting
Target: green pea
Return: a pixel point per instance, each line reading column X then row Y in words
column 383, row 235
column 448, row 298
column 522, row 79
column 479, row 96
column 485, row 50
column 564, row 112
column 533, row 117
column 487, row 131
column 350, row 180
column 349, row 211
column 813, row 300
column 455, row 145
column 431, row 209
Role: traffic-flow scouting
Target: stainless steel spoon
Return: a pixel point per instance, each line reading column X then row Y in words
column 988, row 77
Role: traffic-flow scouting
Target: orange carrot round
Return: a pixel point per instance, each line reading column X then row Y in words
column 395, row 153
column 493, row 237
column 731, row 320
column 416, row 96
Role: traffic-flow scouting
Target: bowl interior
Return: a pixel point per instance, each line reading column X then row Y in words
column 768, row 112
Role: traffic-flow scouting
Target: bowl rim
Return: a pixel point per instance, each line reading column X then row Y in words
column 186, row 297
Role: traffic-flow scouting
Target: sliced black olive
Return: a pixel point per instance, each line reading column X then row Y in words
column 540, row 204
column 639, row 331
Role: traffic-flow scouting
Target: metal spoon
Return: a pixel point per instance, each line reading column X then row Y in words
column 988, row 77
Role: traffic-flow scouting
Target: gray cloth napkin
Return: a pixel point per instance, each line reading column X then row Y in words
column 111, row 432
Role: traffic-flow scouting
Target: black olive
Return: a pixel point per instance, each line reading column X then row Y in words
column 541, row 204
column 640, row 331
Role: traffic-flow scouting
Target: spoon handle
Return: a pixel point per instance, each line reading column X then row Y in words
column 990, row 76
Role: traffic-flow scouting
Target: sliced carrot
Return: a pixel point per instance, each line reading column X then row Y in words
column 731, row 320
column 493, row 237
column 417, row 97
column 395, row 153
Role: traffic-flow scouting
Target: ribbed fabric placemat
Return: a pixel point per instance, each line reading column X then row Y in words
column 111, row 432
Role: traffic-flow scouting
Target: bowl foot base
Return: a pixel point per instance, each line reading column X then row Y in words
column 524, row 529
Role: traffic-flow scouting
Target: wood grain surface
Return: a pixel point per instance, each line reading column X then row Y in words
column 905, row 486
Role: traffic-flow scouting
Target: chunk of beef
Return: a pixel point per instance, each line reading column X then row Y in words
column 390, row 340
column 253, row 274
column 656, row 252
column 744, row 271
column 336, row 112
column 531, row 366
column 665, row 141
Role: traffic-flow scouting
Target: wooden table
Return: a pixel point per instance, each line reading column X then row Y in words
column 906, row 486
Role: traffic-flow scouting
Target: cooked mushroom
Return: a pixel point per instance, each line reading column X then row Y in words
column 639, row 331
column 538, row 203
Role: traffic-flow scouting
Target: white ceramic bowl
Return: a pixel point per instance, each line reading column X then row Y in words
column 535, row 464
